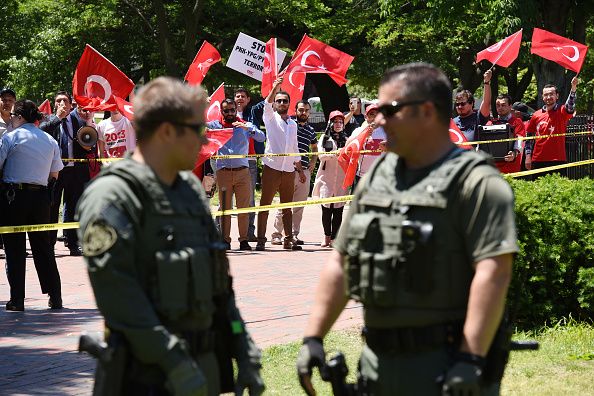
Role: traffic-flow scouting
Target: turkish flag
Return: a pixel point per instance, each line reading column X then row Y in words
column 125, row 108
column 294, row 84
column 457, row 137
column 568, row 53
column 206, row 56
column 45, row 107
column 213, row 112
column 348, row 156
column 504, row 52
column 216, row 139
column 313, row 56
column 270, row 71
column 96, row 80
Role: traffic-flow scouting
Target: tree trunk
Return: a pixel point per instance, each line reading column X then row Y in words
column 164, row 37
column 469, row 78
column 192, row 12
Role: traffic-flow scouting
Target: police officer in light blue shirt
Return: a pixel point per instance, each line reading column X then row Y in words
column 29, row 159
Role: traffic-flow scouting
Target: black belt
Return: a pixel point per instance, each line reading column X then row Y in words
column 413, row 339
column 234, row 169
column 24, row 186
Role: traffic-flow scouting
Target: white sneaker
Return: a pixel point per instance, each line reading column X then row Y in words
column 276, row 241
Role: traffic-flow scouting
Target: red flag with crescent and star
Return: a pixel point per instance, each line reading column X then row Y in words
column 213, row 113
column 503, row 52
column 206, row 56
column 45, row 107
column 457, row 137
column 348, row 156
column 125, row 108
column 313, row 56
column 96, row 80
column 216, row 139
column 294, row 84
column 567, row 53
column 270, row 71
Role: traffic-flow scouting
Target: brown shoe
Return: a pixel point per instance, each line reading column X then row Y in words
column 289, row 245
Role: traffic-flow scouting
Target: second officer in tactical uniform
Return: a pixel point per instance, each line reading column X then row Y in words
column 157, row 265
column 427, row 248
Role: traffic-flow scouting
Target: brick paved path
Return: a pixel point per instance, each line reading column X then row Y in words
column 38, row 347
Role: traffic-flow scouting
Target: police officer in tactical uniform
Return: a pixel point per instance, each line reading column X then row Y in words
column 157, row 265
column 427, row 248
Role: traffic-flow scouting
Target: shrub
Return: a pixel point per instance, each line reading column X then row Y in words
column 554, row 271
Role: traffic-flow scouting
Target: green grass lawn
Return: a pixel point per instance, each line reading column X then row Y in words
column 564, row 365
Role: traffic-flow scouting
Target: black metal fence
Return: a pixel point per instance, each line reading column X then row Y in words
column 581, row 147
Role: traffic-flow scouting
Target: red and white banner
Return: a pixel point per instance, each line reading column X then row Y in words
column 457, row 137
column 270, row 71
column 213, row 113
column 206, row 56
column 568, row 53
column 125, row 108
column 294, row 84
column 45, row 107
column 96, row 80
column 216, row 139
column 504, row 52
column 348, row 157
column 313, row 56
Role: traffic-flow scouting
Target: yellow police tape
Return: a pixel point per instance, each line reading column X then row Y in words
column 38, row 227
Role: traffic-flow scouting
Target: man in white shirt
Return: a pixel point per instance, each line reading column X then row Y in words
column 278, row 173
column 116, row 136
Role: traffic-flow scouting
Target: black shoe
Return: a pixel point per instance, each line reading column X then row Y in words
column 76, row 251
column 290, row 245
column 261, row 246
column 244, row 245
column 14, row 306
column 55, row 303
column 252, row 238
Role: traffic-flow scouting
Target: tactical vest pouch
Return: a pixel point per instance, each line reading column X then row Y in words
column 173, row 273
column 220, row 272
column 201, row 269
column 357, row 262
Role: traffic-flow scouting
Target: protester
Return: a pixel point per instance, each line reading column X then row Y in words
column 373, row 142
column 307, row 142
column 155, row 261
column 468, row 119
column 278, row 174
column 251, row 113
column 427, row 248
column 232, row 175
column 513, row 160
column 354, row 118
column 29, row 161
column 116, row 136
column 550, row 120
column 330, row 177
column 7, row 99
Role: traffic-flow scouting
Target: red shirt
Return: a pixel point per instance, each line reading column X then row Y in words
column 546, row 123
column 519, row 130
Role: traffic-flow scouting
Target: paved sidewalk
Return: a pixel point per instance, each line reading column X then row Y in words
column 38, row 347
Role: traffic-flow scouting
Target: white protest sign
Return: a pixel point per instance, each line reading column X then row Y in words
column 247, row 56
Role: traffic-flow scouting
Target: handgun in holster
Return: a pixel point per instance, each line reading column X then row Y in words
column 112, row 361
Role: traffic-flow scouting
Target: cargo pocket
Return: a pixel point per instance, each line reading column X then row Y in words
column 201, row 273
column 173, row 273
column 357, row 262
column 384, row 285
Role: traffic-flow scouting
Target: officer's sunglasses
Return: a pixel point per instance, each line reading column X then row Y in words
column 197, row 128
column 388, row 110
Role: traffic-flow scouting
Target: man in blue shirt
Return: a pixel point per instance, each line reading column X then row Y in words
column 233, row 175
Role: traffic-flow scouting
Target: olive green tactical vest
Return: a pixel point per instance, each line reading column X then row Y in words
column 406, row 259
column 177, row 257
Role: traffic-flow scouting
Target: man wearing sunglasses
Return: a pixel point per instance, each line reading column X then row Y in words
column 233, row 175
column 157, row 264
column 468, row 119
column 278, row 173
column 427, row 248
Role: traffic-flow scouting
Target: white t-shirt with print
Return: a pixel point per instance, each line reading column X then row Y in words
column 118, row 136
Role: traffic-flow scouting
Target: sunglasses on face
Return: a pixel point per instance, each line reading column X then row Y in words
column 461, row 104
column 227, row 111
column 282, row 101
column 388, row 110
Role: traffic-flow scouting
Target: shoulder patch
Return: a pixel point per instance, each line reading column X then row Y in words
column 98, row 238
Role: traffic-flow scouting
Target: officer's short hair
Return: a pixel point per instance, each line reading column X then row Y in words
column 166, row 99
column 424, row 81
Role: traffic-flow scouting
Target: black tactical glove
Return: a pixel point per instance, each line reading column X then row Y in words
column 310, row 355
column 248, row 376
column 186, row 379
column 463, row 378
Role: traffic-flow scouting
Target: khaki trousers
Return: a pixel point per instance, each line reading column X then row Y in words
column 234, row 182
column 274, row 181
column 301, row 193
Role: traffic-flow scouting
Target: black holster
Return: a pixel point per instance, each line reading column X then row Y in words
column 112, row 363
column 498, row 354
column 223, row 346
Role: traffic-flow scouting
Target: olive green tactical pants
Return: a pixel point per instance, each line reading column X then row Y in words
column 406, row 374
